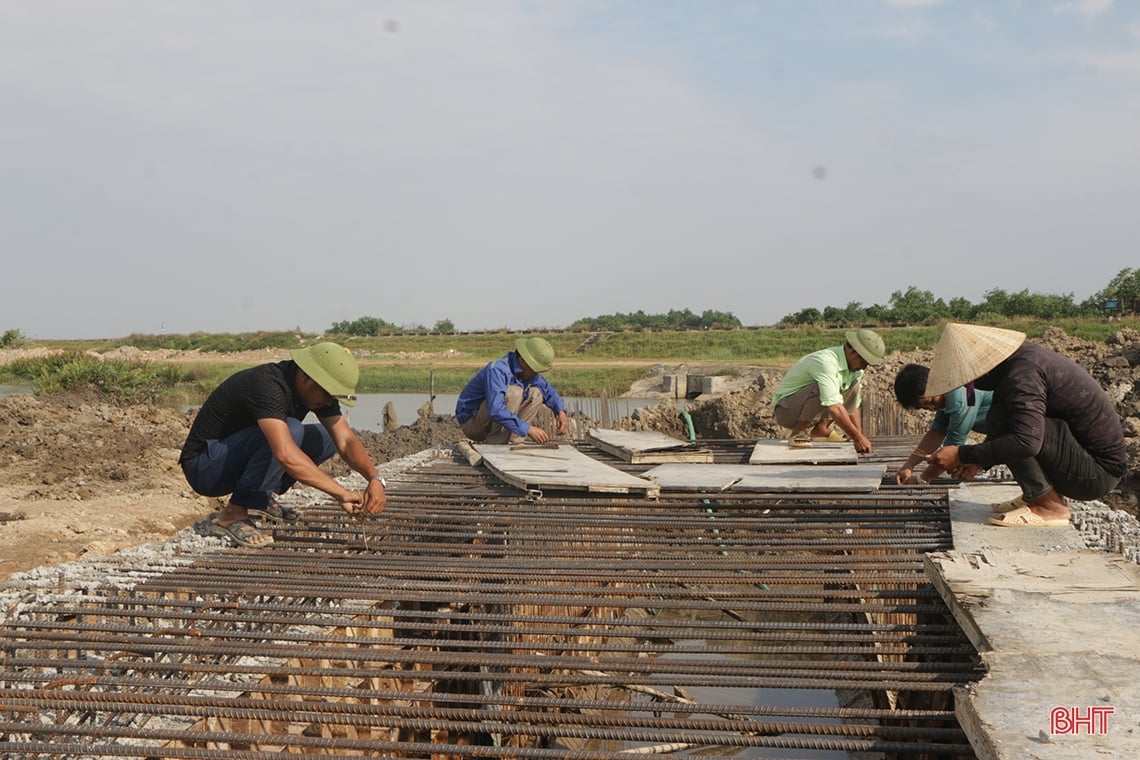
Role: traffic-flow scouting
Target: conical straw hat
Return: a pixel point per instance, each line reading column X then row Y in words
column 966, row 352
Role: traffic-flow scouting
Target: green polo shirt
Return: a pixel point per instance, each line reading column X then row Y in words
column 826, row 368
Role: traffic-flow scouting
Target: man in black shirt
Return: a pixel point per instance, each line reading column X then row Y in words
column 1050, row 422
column 248, row 441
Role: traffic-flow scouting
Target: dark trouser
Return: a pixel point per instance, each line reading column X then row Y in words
column 1062, row 463
column 482, row 429
column 243, row 464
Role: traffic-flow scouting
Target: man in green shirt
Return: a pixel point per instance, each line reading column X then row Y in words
column 823, row 387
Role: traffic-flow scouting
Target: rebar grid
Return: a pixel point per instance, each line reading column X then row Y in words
column 479, row 622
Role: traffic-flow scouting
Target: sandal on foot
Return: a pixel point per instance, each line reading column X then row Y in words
column 1009, row 506
column 800, row 441
column 239, row 532
column 1024, row 517
column 274, row 513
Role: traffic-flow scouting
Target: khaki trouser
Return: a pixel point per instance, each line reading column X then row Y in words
column 804, row 405
column 482, row 429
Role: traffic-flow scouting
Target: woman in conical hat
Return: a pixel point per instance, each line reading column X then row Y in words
column 1050, row 422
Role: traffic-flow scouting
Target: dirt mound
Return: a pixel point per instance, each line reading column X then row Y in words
column 83, row 477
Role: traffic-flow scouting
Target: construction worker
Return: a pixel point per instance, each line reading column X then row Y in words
column 823, row 387
column 1050, row 422
column 248, row 440
column 956, row 413
column 501, row 402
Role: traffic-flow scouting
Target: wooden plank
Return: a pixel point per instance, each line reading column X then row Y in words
column 820, row 452
column 647, row 447
column 746, row 477
column 561, row 468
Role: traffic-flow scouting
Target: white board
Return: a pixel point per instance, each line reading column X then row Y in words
column 647, row 447
column 820, row 452
column 561, row 468
column 745, row 477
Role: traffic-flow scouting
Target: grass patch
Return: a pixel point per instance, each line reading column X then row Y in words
column 120, row 381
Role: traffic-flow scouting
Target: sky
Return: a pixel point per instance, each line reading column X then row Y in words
column 244, row 165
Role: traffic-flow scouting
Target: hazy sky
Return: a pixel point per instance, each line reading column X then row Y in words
column 238, row 165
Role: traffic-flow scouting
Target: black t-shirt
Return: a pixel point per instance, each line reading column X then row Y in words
column 264, row 392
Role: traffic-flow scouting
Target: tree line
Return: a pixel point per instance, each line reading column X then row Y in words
column 912, row 306
column 919, row 307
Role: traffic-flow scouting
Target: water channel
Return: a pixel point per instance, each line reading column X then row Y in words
column 369, row 409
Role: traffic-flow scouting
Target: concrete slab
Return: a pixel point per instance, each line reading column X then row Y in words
column 1055, row 624
column 534, row 468
column 770, row 451
column 647, row 447
column 746, row 477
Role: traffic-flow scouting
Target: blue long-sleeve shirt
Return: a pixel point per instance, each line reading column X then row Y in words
column 490, row 385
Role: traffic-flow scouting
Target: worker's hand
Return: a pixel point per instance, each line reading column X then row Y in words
column 966, row 471
column 537, row 434
column 906, row 477
column 946, row 458
column 563, row 423
column 375, row 498
column 862, row 444
column 350, row 501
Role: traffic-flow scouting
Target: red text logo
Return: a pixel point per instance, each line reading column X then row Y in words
column 1074, row 720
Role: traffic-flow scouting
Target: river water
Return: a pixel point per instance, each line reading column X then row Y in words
column 368, row 414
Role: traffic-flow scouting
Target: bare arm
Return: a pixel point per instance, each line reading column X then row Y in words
column 352, row 451
column 852, row 424
column 298, row 464
column 928, row 445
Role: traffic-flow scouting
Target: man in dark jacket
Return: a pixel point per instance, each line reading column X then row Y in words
column 1050, row 422
column 248, row 440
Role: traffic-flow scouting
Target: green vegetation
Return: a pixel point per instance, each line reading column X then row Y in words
column 920, row 307
column 120, row 381
column 619, row 349
column 12, row 339
column 213, row 342
column 671, row 320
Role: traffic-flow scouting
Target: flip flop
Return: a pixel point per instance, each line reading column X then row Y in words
column 1009, row 506
column 239, row 532
column 800, row 441
column 835, row 436
column 1024, row 517
column 274, row 513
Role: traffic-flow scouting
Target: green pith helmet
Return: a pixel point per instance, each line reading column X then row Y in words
column 536, row 352
column 332, row 367
column 867, row 344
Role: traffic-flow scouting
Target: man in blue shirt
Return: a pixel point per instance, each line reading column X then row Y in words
column 956, row 413
column 500, row 404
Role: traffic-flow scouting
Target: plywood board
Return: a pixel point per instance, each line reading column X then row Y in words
column 820, row 452
column 561, row 468
column 647, row 447
column 746, row 477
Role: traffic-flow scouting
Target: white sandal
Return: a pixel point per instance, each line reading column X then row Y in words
column 1009, row 506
